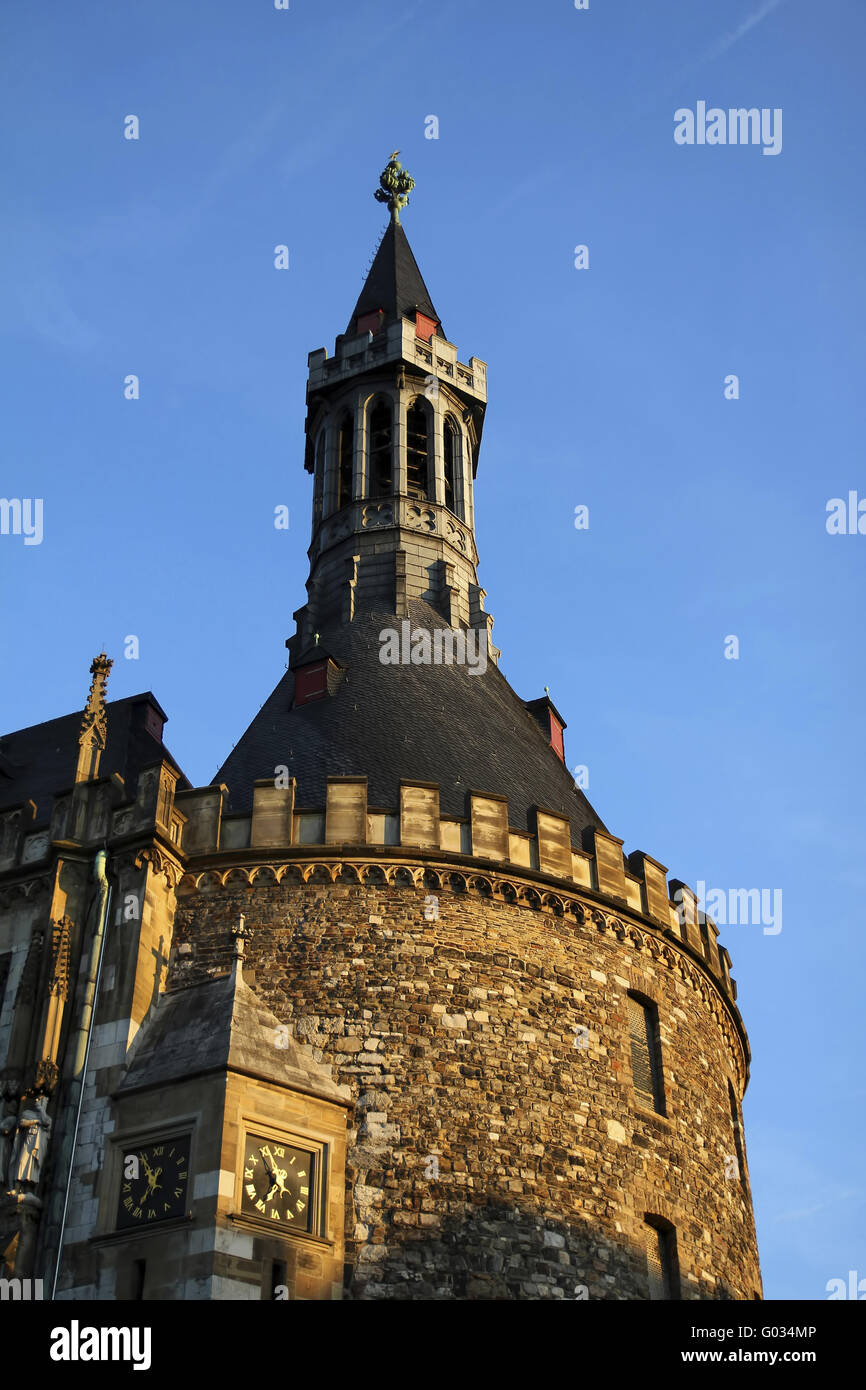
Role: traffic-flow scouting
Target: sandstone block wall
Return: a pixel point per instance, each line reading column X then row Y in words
column 497, row 1148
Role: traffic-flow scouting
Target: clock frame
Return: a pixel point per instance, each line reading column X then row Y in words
column 281, row 1181
column 156, row 1186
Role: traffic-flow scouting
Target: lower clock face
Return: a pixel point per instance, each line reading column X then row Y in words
column 153, row 1182
column 278, row 1183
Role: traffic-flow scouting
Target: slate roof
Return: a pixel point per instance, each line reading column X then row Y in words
column 394, row 282
column 220, row 1025
column 466, row 732
column 40, row 761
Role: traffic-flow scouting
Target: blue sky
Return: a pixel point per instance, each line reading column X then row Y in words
column 707, row 515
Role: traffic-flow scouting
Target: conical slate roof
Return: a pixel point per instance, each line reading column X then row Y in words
column 445, row 724
column 394, row 283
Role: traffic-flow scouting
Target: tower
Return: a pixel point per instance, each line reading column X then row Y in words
column 391, row 1015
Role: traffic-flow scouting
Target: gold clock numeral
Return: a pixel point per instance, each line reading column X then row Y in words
column 305, row 1191
column 127, row 1202
column 260, row 1206
column 178, row 1192
column 280, row 1153
column 159, row 1151
column 301, row 1205
column 183, row 1174
column 137, row 1211
column 290, row 1216
column 275, row 1215
column 248, row 1172
column 251, row 1189
column 151, row 1214
column 302, row 1172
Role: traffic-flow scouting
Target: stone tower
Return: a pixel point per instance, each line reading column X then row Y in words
column 391, row 1016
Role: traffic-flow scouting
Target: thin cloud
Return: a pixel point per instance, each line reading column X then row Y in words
column 804, row 1212
column 726, row 43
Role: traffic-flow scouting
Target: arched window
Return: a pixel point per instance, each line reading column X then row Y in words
column 319, row 479
column 346, row 461
column 661, row 1258
column 451, row 456
column 417, row 448
column 381, row 457
column 645, row 1053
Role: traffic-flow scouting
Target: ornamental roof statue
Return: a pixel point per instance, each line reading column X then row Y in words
column 395, row 185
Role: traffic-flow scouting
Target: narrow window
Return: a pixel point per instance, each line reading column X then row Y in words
column 645, row 1068
column 416, row 450
column 346, row 460
column 450, row 456
column 661, row 1259
column 139, row 1276
column 738, row 1134
column 319, row 480
column 278, row 1279
column 5, row 962
column 380, row 451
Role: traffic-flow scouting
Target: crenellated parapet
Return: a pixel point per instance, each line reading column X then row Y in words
column 414, row 845
column 398, row 342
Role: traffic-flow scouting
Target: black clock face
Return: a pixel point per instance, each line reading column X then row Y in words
column 153, row 1182
column 278, row 1183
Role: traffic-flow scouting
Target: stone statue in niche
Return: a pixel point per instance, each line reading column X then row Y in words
column 31, row 1144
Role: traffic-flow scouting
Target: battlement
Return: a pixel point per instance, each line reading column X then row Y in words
column 397, row 342
column 91, row 814
column 196, row 823
column 349, row 826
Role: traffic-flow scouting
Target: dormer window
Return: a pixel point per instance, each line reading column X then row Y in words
column 317, row 676
column 551, row 721
column 370, row 323
column 425, row 327
column 311, row 683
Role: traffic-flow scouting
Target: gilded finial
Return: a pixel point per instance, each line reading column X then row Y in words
column 395, row 185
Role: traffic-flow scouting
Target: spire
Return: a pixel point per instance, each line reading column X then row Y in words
column 94, row 722
column 394, row 287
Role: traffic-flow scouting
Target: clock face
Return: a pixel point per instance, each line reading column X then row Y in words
column 153, row 1182
column 278, row 1183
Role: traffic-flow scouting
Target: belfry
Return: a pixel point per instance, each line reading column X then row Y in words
column 384, row 1012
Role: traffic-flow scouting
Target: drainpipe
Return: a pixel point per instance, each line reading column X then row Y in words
column 81, row 1047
